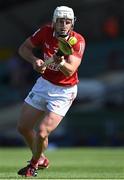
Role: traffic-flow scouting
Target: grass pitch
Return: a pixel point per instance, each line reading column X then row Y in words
column 69, row 163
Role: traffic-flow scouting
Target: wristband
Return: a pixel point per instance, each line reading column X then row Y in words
column 62, row 63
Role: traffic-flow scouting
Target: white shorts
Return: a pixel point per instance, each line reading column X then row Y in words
column 47, row 96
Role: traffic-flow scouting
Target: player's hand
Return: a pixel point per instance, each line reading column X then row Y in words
column 38, row 65
column 58, row 59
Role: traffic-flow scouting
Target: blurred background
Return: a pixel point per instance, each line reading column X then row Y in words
column 97, row 115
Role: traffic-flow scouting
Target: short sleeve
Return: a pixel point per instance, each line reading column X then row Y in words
column 79, row 48
column 38, row 37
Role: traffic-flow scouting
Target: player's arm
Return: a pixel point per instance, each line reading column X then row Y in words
column 68, row 67
column 71, row 66
column 26, row 52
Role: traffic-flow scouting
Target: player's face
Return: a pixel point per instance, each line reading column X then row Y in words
column 63, row 26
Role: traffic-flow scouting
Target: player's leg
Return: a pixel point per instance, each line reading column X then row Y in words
column 28, row 119
column 48, row 124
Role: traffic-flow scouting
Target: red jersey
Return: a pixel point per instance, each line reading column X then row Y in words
column 46, row 40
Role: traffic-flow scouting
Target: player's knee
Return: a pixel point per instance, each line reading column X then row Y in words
column 43, row 133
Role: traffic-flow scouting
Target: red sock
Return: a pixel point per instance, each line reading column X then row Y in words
column 34, row 163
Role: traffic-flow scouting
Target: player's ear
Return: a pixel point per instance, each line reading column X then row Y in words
column 74, row 23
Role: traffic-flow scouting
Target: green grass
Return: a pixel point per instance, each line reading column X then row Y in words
column 73, row 163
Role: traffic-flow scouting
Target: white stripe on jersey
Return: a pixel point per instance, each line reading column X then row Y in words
column 82, row 46
column 36, row 32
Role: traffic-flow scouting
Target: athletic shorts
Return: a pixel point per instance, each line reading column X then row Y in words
column 46, row 96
